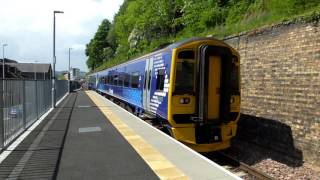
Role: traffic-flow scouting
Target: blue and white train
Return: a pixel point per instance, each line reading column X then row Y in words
column 192, row 87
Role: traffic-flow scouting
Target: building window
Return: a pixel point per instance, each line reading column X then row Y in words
column 160, row 79
column 135, row 80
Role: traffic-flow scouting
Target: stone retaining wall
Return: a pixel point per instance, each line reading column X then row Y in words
column 280, row 79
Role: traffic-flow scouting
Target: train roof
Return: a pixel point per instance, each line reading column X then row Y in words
column 186, row 41
column 167, row 48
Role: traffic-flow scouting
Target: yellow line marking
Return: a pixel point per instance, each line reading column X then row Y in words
column 156, row 161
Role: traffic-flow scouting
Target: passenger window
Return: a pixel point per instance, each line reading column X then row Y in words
column 160, row 79
column 111, row 80
column 135, row 80
column 126, row 80
column 115, row 80
column 108, row 79
column 120, row 81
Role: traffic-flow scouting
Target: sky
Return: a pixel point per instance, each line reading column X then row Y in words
column 27, row 27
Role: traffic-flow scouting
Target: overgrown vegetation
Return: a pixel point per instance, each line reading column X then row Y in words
column 142, row 25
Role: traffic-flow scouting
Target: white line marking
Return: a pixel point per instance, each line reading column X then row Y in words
column 177, row 142
column 84, row 106
column 89, row 129
column 14, row 144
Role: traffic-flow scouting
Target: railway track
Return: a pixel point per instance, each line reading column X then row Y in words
column 239, row 168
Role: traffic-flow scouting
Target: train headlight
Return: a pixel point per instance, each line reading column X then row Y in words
column 232, row 100
column 185, row 100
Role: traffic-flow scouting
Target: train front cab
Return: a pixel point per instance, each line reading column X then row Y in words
column 204, row 96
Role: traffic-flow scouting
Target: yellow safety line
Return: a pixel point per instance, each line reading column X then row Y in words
column 157, row 162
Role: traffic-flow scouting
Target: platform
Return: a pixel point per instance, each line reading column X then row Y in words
column 89, row 137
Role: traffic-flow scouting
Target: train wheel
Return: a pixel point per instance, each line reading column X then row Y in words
column 129, row 109
column 122, row 105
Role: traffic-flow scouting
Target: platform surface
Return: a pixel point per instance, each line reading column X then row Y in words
column 89, row 137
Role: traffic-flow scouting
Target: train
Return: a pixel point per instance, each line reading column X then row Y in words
column 192, row 87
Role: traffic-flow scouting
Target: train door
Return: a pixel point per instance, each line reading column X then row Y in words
column 96, row 82
column 214, row 73
column 147, row 84
column 215, row 84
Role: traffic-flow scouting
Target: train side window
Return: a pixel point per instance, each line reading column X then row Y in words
column 111, row 80
column 135, row 80
column 160, row 79
column 120, row 80
column 108, row 79
column 126, row 80
column 115, row 80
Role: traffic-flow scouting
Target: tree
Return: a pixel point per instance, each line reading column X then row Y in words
column 95, row 50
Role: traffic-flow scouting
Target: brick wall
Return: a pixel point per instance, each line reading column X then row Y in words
column 280, row 79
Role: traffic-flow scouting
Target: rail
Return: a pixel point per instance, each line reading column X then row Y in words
column 246, row 168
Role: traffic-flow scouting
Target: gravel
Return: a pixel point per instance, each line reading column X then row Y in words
column 278, row 168
column 285, row 172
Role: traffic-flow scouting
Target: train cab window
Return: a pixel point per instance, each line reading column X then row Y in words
column 185, row 69
column 189, row 54
column 120, row 80
column 126, row 80
column 160, row 79
column 135, row 80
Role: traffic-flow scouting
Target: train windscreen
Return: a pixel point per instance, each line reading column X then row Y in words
column 184, row 83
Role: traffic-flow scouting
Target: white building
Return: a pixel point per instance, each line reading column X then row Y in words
column 75, row 74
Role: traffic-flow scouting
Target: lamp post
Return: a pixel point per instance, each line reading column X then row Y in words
column 35, row 70
column 3, row 61
column 54, row 59
column 69, row 70
column 2, row 104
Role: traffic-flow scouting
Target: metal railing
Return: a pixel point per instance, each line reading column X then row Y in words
column 61, row 88
column 22, row 102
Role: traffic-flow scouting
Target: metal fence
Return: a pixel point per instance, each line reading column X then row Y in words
column 22, row 102
column 61, row 88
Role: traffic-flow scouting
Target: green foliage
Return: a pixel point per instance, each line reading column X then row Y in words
column 99, row 49
column 61, row 77
column 141, row 26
